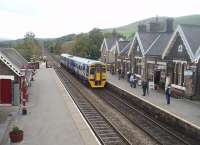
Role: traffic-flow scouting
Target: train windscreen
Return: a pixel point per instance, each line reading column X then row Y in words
column 97, row 68
column 100, row 68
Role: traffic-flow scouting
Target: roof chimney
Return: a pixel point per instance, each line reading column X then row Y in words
column 141, row 28
column 169, row 24
column 153, row 27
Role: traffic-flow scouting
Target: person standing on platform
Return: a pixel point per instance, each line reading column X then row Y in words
column 119, row 73
column 168, row 94
column 131, row 80
column 123, row 74
column 144, row 87
column 148, row 87
column 134, row 81
column 128, row 76
column 167, row 81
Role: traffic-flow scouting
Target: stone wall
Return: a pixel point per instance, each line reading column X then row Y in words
column 161, row 115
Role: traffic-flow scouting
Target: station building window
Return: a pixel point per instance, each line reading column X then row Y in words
column 179, row 69
column 180, row 48
column 138, row 66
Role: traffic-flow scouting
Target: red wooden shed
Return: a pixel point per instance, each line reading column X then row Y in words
column 12, row 71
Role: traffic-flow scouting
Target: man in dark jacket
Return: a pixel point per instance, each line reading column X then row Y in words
column 144, row 87
column 168, row 94
column 119, row 73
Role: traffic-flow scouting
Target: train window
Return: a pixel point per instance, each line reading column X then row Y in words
column 98, row 69
column 87, row 69
column 92, row 70
column 103, row 69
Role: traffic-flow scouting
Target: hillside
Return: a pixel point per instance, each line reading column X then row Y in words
column 129, row 29
column 67, row 42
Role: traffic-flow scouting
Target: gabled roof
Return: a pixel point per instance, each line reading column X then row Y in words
column 190, row 34
column 125, row 50
column 13, row 60
column 145, row 40
column 109, row 43
column 122, row 44
column 160, row 43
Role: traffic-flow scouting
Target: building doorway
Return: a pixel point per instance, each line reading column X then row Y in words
column 5, row 91
column 157, row 77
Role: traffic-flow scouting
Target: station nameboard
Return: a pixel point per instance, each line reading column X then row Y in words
column 188, row 73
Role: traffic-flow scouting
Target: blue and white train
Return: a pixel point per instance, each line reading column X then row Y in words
column 91, row 72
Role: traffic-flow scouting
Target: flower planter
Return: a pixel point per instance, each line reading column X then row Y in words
column 16, row 136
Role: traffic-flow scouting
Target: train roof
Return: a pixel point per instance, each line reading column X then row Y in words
column 82, row 60
column 65, row 55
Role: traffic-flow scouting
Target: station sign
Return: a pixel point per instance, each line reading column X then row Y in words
column 188, row 73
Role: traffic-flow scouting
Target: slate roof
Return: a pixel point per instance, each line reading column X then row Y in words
column 14, row 56
column 192, row 34
column 125, row 50
column 122, row 44
column 13, row 60
column 159, row 45
column 147, row 39
column 110, row 42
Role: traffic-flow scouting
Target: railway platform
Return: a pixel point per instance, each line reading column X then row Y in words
column 184, row 109
column 53, row 118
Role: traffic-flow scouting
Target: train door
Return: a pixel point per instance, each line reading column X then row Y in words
column 98, row 73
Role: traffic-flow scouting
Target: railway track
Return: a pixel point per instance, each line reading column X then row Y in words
column 103, row 129
column 160, row 133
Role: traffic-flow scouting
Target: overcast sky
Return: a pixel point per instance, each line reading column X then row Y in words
column 55, row 18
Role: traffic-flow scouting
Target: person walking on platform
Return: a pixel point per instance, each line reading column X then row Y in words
column 131, row 80
column 123, row 74
column 119, row 73
column 168, row 94
column 144, row 87
column 148, row 87
column 134, row 81
column 112, row 69
column 128, row 76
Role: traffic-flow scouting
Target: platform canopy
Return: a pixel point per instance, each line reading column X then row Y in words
column 13, row 59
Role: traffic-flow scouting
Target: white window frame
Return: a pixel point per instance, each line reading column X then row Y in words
column 180, row 74
column 138, row 48
column 180, row 48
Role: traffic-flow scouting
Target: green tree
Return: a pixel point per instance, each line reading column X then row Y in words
column 81, row 45
column 114, row 33
column 95, row 41
column 29, row 46
column 88, row 44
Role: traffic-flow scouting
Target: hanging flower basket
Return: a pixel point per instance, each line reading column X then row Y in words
column 16, row 135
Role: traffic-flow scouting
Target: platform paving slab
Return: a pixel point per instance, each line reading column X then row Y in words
column 7, row 114
column 53, row 118
column 188, row 110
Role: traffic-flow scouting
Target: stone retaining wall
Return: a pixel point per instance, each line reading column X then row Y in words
column 160, row 114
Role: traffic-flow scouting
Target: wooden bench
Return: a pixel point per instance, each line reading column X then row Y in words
column 177, row 93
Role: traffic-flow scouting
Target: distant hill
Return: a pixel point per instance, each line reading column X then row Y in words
column 65, row 43
column 3, row 39
column 129, row 29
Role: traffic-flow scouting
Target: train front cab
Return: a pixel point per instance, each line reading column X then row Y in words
column 97, row 75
